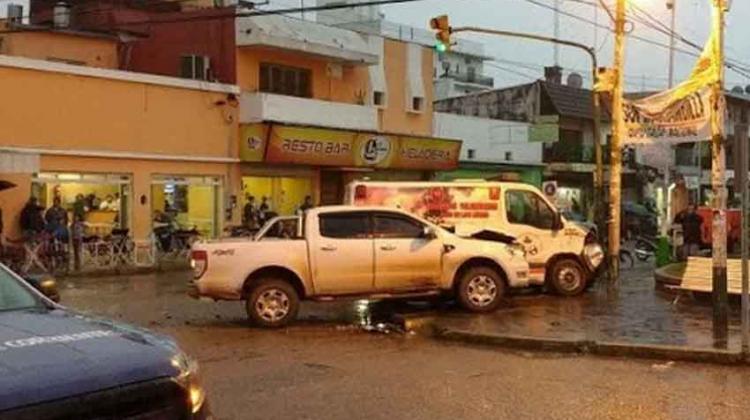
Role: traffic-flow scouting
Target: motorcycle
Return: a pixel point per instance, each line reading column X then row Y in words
column 645, row 248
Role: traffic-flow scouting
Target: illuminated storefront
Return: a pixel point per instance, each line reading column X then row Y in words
column 286, row 163
column 104, row 200
column 190, row 202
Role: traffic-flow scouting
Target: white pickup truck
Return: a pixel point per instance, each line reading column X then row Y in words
column 346, row 251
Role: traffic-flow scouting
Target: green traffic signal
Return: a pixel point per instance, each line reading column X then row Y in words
column 441, row 47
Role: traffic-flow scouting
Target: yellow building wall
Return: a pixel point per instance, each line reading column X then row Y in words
column 63, row 111
column 57, row 46
column 353, row 86
column 350, row 88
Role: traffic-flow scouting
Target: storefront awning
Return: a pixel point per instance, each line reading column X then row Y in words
column 286, row 144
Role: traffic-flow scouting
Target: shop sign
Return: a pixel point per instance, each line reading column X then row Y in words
column 253, row 146
column 546, row 128
column 425, row 153
column 323, row 147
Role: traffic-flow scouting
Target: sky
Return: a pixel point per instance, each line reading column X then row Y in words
column 518, row 61
column 646, row 65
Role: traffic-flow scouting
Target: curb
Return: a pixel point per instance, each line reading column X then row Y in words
column 123, row 272
column 517, row 342
column 598, row 348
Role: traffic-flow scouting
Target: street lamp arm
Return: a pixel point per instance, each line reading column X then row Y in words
column 589, row 50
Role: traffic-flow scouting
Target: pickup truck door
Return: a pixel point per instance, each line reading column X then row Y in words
column 342, row 253
column 404, row 257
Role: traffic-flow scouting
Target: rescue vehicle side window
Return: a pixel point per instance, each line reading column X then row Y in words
column 527, row 208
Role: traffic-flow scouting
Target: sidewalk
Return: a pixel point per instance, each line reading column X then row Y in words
column 635, row 321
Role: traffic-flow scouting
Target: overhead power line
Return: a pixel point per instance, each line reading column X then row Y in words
column 231, row 14
column 730, row 63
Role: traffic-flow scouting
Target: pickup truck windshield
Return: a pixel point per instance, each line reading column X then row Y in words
column 13, row 295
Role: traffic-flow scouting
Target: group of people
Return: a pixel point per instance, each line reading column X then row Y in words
column 255, row 216
column 55, row 220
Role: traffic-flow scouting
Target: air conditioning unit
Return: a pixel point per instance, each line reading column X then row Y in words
column 196, row 67
column 15, row 14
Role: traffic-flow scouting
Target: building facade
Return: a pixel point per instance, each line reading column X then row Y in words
column 133, row 145
column 303, row 109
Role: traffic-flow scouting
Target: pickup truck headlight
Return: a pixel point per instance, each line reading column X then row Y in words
column 189, row 379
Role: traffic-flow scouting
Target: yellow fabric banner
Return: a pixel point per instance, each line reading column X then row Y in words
column 683, row 113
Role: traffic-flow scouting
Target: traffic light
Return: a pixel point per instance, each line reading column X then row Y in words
column 443, row 35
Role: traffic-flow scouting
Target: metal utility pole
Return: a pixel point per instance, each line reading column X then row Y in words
column 557, row 32
column 718, row 161
column 672, row 7
column 618, row 130
column 741, row 186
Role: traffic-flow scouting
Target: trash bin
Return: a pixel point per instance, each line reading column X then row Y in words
column 663, row 251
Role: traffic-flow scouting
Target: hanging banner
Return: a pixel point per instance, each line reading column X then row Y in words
column 681, row 114
column 669, row 120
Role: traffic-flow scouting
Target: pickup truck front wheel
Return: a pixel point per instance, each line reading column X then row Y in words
column 272, row 303
column 480, row 289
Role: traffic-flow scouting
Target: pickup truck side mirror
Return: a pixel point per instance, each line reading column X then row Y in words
column 558, row 224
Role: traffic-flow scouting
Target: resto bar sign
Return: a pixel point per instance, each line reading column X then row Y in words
column 324, row 147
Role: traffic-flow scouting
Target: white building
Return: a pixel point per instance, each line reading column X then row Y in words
column 455, row 73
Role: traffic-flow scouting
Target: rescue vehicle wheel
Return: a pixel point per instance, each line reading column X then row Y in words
column 567, row 278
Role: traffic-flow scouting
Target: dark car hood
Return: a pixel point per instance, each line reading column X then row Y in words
column 51, row 354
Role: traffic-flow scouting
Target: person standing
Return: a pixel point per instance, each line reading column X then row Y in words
column 306, row 205
column 32, row 220
column 250, row 213
column 79, row 207
column 264, row 210
column 691, row 223
column 56, row 218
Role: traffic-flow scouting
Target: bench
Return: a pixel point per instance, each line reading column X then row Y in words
column 698, row 276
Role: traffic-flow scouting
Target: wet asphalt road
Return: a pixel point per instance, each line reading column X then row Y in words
column 325, row 367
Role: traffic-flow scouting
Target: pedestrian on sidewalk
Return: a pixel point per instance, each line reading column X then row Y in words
column 57, row 220
column 32, row 218
column 691, row 223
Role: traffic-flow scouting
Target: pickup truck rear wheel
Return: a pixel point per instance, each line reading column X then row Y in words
column 272, row 303
column 480, row 289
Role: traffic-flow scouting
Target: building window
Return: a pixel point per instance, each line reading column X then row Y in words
column 196, row 67
column 508, row 156
column 417, row 104
column 284, row 80
column 378, row 98
column 471, row 153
